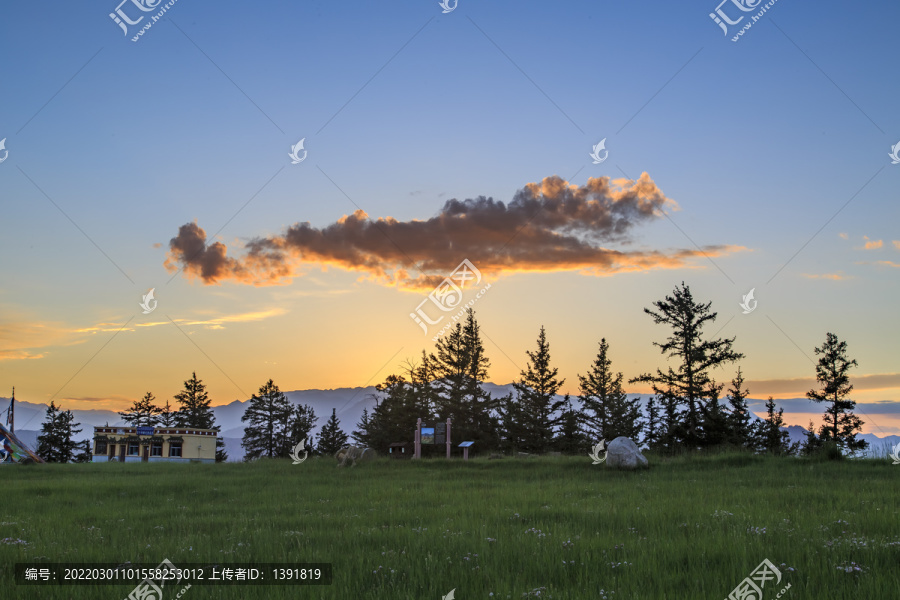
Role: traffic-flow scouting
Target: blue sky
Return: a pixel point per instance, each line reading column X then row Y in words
column 760, row 143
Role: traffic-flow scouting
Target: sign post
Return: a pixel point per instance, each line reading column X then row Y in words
column 417, row 452
column 465, row 447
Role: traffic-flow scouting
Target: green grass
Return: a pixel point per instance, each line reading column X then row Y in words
column 417, row 529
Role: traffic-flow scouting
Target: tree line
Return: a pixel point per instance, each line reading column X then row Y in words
column 686, row 411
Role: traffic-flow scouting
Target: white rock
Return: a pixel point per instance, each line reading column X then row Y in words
column 622, row 453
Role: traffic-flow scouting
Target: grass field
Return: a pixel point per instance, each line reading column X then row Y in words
column 551, row 527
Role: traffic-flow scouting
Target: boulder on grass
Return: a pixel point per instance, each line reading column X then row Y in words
column 351, row 454
column 622, row 453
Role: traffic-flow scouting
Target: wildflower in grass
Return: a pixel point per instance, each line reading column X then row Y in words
column 756, row 530
column 721, row 514
column 852, row 567
column 490, row 539
column 568, row 544
column 786, row 568
column 13, row 542
column 539, row 592
column 537, row 532
column 617, row 565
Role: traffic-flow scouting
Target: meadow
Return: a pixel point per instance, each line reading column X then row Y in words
column 546, row 527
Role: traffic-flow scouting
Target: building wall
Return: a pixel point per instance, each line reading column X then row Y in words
column 197, row 445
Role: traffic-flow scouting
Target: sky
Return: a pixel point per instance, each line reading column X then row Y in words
column 430, row 138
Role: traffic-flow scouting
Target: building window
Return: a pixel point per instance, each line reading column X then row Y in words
column 156, row 449
column 175, row 449
column 100, row 447
column 133, row 449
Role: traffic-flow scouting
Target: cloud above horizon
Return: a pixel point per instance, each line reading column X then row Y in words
column 548, row 226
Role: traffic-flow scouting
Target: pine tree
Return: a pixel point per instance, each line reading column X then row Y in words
column 606, row 407
column 142, row 413
column 535, row 392
column 56, row 443
column 166, row 416
column 195, row 410
column 769, row 434
column 811, row 444
column 332, row 438
column 297, row 426
column 393, row 418
column 511, row 428
column 264, row 415
column 85, row 453
column 738, row 420
column 570, row 438
column 221, row 453
column 363, row 435
column 713, row 422
column 690, row 384
column 841, row 425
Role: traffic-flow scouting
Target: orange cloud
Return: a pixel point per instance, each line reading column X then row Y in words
column 896, row 244
column 831, row 276
column 870, row 244
column 549, row 226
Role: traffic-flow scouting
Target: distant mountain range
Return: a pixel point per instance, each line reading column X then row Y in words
column 348, row 404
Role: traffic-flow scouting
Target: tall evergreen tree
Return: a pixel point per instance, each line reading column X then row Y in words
column 166, row 416
column 332, row 438
column 297, row 426
column 769, row 434
column 738, row 419
column 535, row 392
column 56, row 443
column 714, row 420
column 653, row 425
column 393, row 418
column 458, row 368
column 363, row 434
column 605, row 405
column 142, row 413
column 195, row 410
column 265, row 417
column 512, row 424
column 570, row 438
column 696, row 356
column 832, row 372
column 481, row 422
